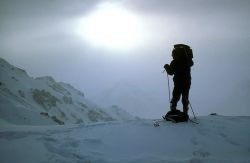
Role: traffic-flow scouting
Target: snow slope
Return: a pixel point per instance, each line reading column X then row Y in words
column 42, row 101
column 216, row 139
column 135, row 100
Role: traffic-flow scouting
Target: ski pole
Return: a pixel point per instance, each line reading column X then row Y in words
column 192, row 110
column 168, row 88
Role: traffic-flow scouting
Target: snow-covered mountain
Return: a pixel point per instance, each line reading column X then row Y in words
column 25, row 100
column 134, row 99
column 216, row 139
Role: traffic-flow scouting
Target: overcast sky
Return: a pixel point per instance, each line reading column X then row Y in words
column 41, row 37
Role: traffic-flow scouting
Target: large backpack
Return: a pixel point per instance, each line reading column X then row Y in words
column 182, row 52
column 188, row 51
column 176, row 116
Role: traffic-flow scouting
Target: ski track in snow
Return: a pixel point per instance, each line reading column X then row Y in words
column 214, row 139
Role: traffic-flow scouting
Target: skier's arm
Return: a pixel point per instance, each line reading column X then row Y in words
column 169, row 68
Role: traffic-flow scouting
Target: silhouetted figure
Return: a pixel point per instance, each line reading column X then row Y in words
column 180, row 67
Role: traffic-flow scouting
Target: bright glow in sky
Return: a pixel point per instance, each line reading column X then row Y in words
column 106, row 43
column 112, row 26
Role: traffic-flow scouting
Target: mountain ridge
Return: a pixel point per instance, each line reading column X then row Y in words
column 25, row 99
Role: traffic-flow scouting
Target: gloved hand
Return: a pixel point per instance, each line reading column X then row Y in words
column 166, row 66
column 168, row 69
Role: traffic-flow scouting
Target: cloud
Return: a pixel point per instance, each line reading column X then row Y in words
column 38, row 36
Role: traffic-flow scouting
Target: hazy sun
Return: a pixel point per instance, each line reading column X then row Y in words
column 111, row 26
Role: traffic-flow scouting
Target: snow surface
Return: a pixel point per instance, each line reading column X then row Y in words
column 214, row 139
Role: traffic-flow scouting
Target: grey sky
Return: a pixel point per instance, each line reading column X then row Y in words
column 39, row 36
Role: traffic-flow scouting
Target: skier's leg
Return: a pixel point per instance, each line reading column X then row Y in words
column 176, row 97
column 185, row 98
column 185, row 103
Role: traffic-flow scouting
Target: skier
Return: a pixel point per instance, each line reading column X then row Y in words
column 180, row 67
